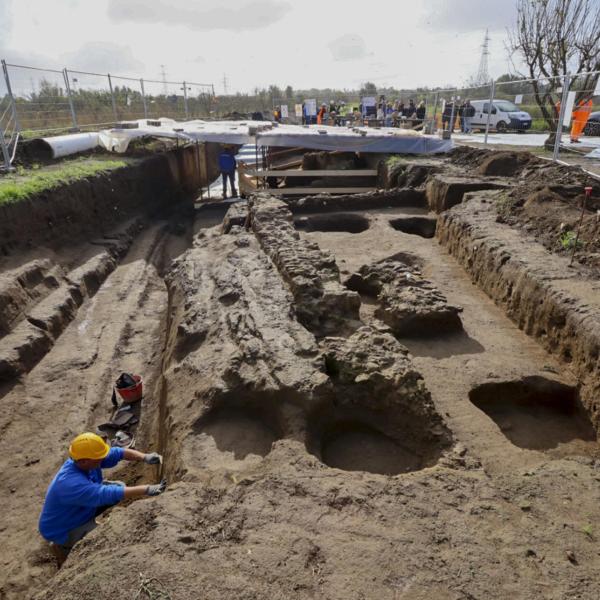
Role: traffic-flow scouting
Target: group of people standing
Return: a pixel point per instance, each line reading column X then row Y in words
column 332, row 113
column 463, row 113
column 390, row 114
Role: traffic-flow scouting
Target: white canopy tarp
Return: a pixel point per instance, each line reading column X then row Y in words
column 357, row 139
column 263, row 133
column 223, row 132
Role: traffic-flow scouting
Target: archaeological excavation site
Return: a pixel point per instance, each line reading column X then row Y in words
column 369, row 376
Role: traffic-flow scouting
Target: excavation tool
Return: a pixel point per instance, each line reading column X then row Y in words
column 588, row 194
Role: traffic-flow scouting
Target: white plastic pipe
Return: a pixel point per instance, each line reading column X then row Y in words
column 64, row 145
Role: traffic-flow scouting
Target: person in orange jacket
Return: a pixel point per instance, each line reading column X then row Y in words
column 581, row 114
column 321, row 114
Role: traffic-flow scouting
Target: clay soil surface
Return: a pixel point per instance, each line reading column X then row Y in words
column 342, row 412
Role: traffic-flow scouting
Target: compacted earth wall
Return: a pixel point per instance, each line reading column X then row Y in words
column 94, row 204
column 547, row 297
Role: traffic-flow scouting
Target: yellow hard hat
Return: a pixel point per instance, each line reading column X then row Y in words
column 88, row 445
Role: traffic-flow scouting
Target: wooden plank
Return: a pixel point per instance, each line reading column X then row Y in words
column 308, row 191
column 315, row 173
column 284, row 164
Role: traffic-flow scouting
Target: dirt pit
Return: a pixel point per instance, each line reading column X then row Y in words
column 423, row 226
column 230, row 436
column 354, row 446
column 349, row 222
column 537, row 414
column 391, row 441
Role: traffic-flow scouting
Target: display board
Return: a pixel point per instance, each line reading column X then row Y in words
column 369, row 105
column 311, row 107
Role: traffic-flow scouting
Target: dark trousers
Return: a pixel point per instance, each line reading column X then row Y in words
column 231, row 177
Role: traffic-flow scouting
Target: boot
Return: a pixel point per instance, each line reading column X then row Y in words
column 59, row 554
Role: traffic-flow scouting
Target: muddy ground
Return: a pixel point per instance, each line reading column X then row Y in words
column 343, row 413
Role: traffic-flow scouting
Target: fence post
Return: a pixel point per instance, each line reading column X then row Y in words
column 71, row 105
column 144, row 99
column 185, row 102
column 561, row 117
column 452, row 114
column 112, row 98
column 5, row 152
column 435, row 105
column 13, row 104
column 487, row 121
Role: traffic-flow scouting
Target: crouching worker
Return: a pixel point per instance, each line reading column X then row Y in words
column 78, row 494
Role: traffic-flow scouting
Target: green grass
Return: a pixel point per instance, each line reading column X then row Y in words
column 25, row 183
column 567, row 240
column 392, row 161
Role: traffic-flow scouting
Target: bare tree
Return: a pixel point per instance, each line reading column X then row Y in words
column 553, row 38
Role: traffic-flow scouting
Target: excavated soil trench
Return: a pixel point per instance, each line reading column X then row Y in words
column 461, row 364
column 304, row 454
column 75, row 314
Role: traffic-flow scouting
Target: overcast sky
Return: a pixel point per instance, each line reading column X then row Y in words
column 308, row 43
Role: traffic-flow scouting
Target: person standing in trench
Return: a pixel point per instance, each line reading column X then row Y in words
column 227, row 165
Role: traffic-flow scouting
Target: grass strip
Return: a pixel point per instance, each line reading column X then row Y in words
column 25, row 184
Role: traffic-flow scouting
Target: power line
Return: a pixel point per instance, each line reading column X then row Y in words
column 483, row 75
column 163, row 75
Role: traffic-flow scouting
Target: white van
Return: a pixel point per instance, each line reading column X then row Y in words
column 505, row 115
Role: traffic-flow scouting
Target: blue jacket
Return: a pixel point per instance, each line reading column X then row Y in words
column 74, row 495
column 226, row 162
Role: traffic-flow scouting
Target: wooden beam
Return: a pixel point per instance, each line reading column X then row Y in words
column 309, row 191
column 315, row 173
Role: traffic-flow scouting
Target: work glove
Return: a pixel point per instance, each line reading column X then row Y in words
column 153, row 458
column 157, row 488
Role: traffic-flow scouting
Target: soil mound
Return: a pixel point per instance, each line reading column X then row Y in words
column 507, row 164
column 408, row 303
column 548, row 205
column 467, row 156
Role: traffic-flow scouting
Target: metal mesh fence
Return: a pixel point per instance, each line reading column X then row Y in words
column 129, row 98
column 580, row 143
column 51, row 101
column 92, row 99
column 41, row 99
column 9, row 127
column 556, row 117
column 200, row 100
